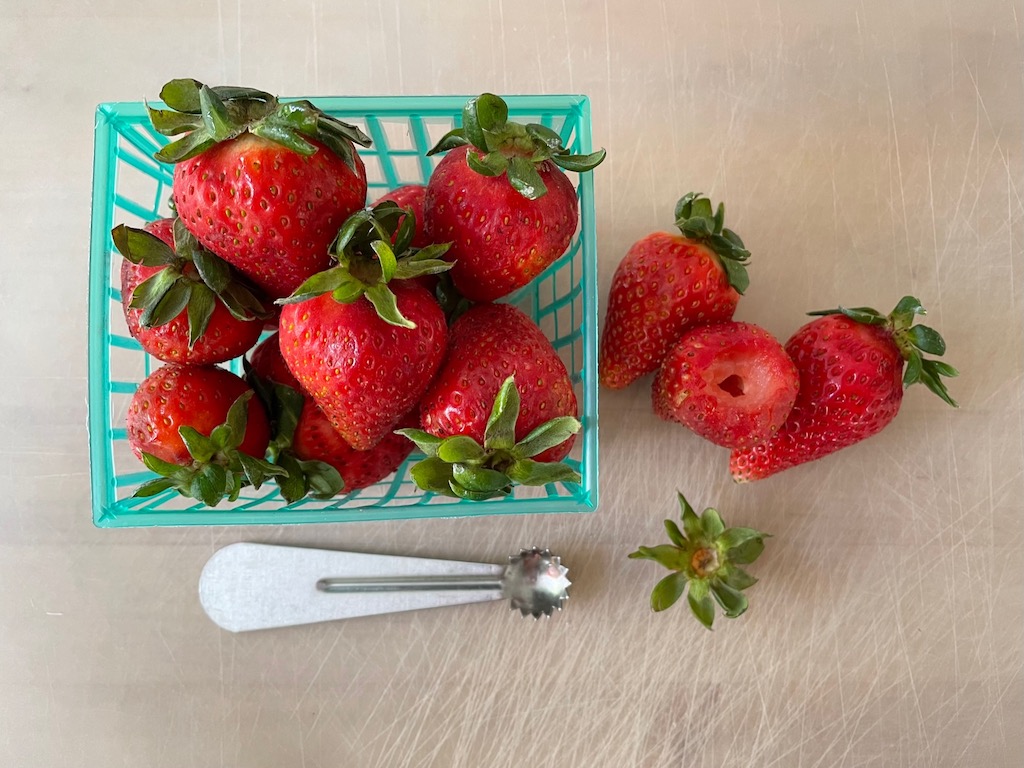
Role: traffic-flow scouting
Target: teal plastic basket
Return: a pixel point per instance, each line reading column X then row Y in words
column 129, row 186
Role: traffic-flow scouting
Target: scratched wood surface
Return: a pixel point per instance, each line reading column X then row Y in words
column 865, row 151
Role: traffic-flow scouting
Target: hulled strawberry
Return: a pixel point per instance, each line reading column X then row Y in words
column 362, row 339
column 182, row 303
column 202, row 430
column 501, row 411
column 852, row 376
column 501, row 199
column 411, row 196
column 262, row 184
column 731, row 383
column 668, row 283
column 307, row 445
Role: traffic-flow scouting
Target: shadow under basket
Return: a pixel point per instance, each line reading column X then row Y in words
column 130, row 187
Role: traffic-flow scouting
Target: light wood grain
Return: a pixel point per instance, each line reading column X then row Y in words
column 864, row 151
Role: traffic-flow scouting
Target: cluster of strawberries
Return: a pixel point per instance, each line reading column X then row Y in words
column 387, row 338
column 838, row 380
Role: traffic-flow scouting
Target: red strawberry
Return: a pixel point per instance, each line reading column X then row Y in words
column 501, row 412
column 365, row 349
column 315, row 440
column 503, row 231
column 262, row 184
column 183, row 304
column 731, row 383
column 489, row 343
column 667, row 284
column 850, row 363
column 411, row 196
column 202, row 429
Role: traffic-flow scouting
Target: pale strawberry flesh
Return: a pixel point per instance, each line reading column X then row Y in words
column 850, row 389
column 731, row 383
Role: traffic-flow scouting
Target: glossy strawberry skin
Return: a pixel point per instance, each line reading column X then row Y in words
column 489, row 343
column 664, row 285
column 316, row 439
column 269, row 211
column 365, row 374
column 500, row 240
column 731, row 383
column 411, row 196
column 225, row 338
column 183, row 395
column 850, row 389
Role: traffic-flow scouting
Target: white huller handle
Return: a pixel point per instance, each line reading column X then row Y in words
column 246, row 586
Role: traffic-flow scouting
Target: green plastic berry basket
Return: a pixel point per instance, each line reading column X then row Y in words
column 129, row 186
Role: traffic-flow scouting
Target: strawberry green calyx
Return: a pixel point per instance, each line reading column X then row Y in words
column 696, row 221
column 208, row 116
column 372, row 248
column 218, row 469
column 705, row 559
column 911, row 340
column 511, row 148
column 461, row 467
column 302, row 478
column 190, row 277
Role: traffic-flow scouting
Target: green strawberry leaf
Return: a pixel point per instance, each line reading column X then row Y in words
column 736, row 274
column 490, row 164
column 736, row 577
column 480, row 479
column 580, row 163
column 161, row 467
column 215, row 115
column 323, row 480
column 214, row 271
column 293, row 485
column 460, row 449
column 731, row 538
column 150, row 291
column 386, row 304
column 674, row 534
column 201, row 304
column 700, row 603
column 927, row 340
column 668, row 591
column 733, row 602
column 523, row 176
column 237, row 418
column 711, row 523
column 466, row 493
column 182, row 95
column 141, row 247
column 170, row 305
column 200, row 447
column 322, row 282
column 185, row 148
column 534, row 473
column 386, row 257
column 153, row 487
column 434, row 475
column 210, row 484
column 500, row 433
column 428, row 444
column 673, row 558
column 454, row 138
column 746, row 553
column 547, row 435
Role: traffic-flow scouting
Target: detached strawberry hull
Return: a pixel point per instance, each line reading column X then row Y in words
column 131, row 187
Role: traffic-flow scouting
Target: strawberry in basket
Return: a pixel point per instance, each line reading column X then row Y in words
column 502, row 200
column 262, row 184
column 364, row 339
column 502, row 410
column 318, row 460
column 202, row 430
column 182, row 303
